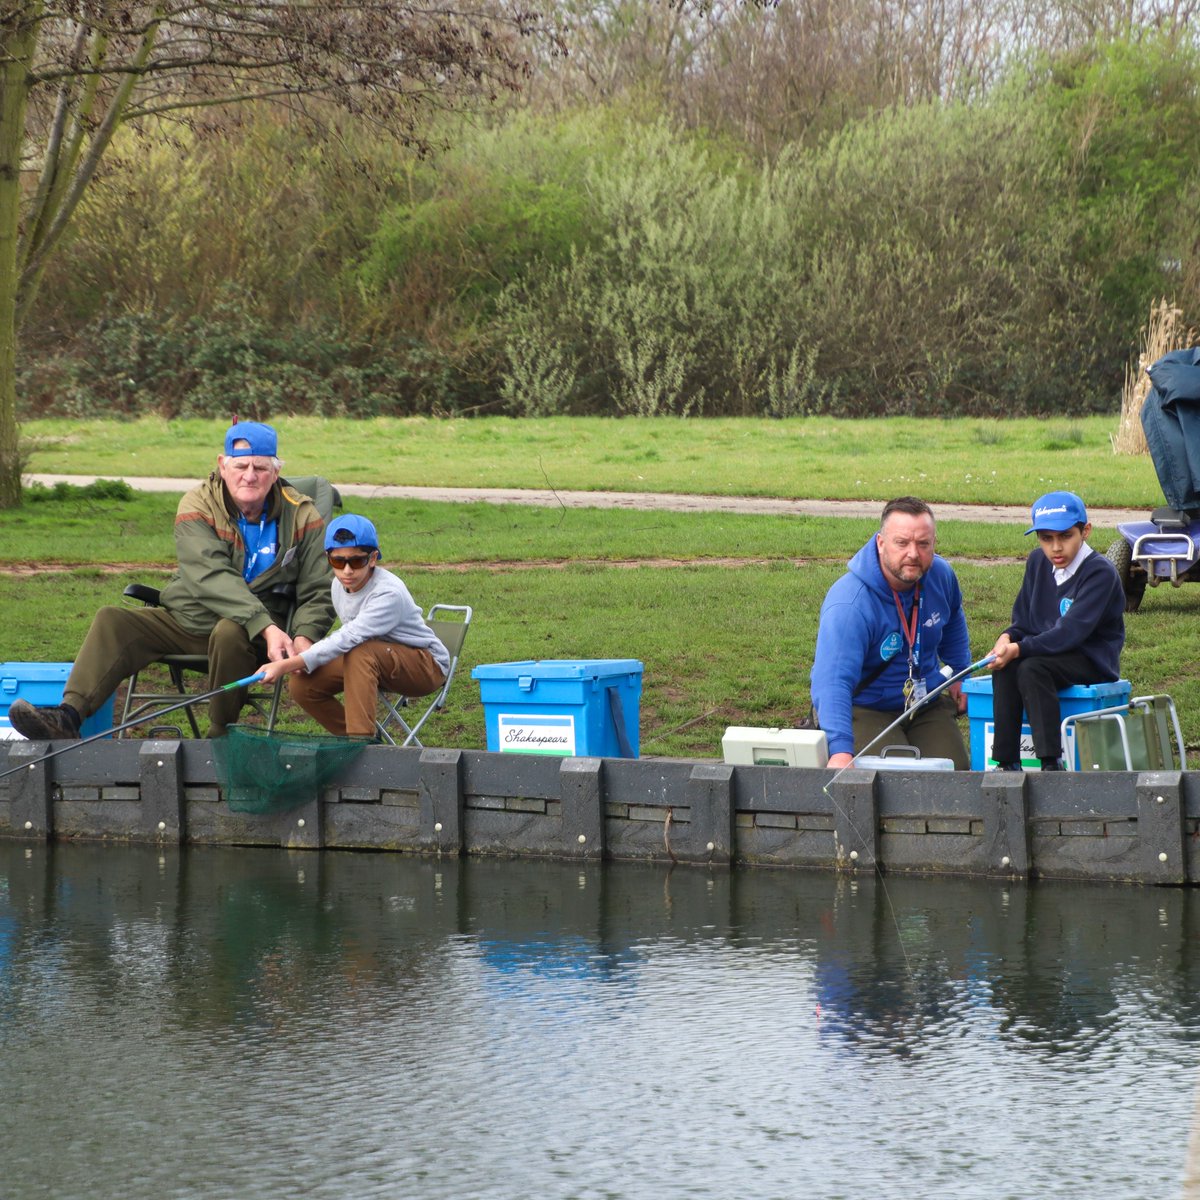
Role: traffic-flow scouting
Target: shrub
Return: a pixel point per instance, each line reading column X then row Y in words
column 236, row 361
column 504, row 202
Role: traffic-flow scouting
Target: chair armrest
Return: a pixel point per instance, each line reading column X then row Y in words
column 144, row 593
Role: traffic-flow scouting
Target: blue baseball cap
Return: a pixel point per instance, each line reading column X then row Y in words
column 260, row 439
column 1057, row 511
column 350, row 530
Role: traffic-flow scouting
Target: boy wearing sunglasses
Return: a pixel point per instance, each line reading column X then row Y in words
column 382, row 641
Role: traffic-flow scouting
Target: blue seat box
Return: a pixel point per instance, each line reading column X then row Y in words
column 1071, row 701
column 42, row 684
column 561, row 706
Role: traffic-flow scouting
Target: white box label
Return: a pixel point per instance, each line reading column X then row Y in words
column 1029, row 760
column 540, row 733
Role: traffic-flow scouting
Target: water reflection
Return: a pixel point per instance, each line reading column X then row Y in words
column 358, row 1025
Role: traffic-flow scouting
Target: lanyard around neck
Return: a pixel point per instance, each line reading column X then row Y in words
column 912, row 633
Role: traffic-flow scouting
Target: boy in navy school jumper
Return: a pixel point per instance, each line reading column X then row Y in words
column 1068, row 627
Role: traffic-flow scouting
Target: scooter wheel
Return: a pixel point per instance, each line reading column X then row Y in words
column 1133, row 583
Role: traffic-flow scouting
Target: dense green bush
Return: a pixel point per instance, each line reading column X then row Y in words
column 907, row 266
column 480, row 217
column 1124, row 120
column 274, row 207
column 992, row 257
column 680, row 305
column 233, row 360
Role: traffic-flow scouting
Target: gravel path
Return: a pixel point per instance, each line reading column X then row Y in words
column 672, row 502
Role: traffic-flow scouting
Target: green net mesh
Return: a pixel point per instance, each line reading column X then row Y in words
column 261, row 772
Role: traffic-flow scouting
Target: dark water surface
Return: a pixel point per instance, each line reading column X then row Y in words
column 248, row 1023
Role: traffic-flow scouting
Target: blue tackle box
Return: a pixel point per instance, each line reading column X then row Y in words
column 42, row 684
column 570, row 707
column 1082, row 698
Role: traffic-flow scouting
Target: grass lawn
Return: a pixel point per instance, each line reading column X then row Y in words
column 720, row 608
column 967, row 461
column 723, row 643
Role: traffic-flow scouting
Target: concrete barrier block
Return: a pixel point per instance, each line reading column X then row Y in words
column 1160, row 827
column 856, row 819
column 441, row 800
column 582, row 807
column 162, row 813
column 1006, row 827
column 30, row 792
column 709, row 794
column 301, row 828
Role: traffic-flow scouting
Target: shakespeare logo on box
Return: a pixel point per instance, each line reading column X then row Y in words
column 536, row 734
column 1029, row 758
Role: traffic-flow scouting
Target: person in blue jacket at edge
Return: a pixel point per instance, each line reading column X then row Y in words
column 886, row 628
column 1068, row 627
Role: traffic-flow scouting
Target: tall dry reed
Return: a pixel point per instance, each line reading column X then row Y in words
column 1164, row 332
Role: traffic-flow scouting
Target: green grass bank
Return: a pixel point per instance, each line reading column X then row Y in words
column 720, row 608
column 951, row 461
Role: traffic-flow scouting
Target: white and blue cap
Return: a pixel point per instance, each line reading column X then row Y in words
column 350, row 530
column 260, row 440
column 1057, row 511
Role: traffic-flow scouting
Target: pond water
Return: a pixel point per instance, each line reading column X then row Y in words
column 249, row 1023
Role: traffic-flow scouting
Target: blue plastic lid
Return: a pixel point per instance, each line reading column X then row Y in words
column 1119, row 687
column 558, row 668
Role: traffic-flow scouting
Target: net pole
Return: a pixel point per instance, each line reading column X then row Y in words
column 160, row 712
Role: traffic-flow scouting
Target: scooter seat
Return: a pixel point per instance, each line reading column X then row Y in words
column 1170, row 520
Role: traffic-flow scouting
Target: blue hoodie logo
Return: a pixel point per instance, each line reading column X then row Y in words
column 889, row 647
column 1063, row 605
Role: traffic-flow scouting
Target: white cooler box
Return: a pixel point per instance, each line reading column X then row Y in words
column 745, row 746
column 902, row 758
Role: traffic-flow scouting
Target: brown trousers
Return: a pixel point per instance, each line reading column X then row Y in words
column 360, row 673
column 124, row 640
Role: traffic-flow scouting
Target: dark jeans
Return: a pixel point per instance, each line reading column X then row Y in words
column 1031, row 686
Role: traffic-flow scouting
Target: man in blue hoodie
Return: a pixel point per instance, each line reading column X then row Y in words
column 887, row 626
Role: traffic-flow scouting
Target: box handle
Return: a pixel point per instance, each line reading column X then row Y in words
column 10, row 684
column 525, row 682
column 618, row 715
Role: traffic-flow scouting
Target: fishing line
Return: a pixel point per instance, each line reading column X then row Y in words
column 909, row 712
column 161, row 712
column 904, row 716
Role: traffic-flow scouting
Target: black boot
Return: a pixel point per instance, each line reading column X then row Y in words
column 1052, row 764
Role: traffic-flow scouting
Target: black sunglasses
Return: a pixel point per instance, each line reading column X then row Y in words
column 356, row 562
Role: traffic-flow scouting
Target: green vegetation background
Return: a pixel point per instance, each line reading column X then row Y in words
column 720, row 608
column 996, row 254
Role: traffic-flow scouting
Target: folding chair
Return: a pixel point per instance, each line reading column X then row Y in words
column 452, row 630
column 143, row 701
column 1143, row 735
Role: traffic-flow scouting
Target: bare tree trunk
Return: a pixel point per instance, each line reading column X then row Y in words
column 16, row 52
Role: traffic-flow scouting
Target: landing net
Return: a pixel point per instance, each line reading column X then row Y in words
column 268, row 772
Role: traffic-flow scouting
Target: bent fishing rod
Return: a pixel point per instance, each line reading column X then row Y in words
column 908, row 712
column 161, row 712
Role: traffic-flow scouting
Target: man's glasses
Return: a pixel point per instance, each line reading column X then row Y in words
column 355, row 562
column 241, row 465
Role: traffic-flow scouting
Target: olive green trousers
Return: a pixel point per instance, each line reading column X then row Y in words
column 124, row 640
column 933, row 729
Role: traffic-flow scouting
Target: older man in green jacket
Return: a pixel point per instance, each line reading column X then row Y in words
column 247, row 545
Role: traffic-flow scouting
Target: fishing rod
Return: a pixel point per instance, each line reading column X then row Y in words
column 161, row 712
column 908, row 712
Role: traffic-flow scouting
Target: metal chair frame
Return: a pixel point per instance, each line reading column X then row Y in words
column 1149, row 709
